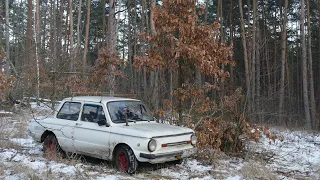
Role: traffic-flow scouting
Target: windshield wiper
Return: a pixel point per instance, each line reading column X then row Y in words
column 132, row 120
column 137, row 118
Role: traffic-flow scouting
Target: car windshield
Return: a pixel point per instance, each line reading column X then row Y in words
column 131, row 110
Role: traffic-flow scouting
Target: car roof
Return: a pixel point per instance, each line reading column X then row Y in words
column 102, row 99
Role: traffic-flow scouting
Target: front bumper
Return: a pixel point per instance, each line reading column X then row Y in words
column 169, row 156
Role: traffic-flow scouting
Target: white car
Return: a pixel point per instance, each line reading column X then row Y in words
column 112, row 128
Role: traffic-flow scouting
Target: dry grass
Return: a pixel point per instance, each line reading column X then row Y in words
column 14, row 126
column 26, row 172
column 256, row 170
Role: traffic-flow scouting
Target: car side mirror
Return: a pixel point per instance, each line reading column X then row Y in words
column 103, row 122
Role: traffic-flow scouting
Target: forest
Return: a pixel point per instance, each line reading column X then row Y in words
column 216, row 64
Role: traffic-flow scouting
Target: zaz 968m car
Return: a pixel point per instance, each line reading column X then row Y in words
column 112, row 128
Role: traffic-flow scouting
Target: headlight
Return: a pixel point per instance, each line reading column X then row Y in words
column 193, row 139
column 152, row 145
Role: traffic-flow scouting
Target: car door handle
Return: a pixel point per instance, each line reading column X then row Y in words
column 78, row 124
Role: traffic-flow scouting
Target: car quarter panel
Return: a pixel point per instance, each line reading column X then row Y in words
column 62, row 129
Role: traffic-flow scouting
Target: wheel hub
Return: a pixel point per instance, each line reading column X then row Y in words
column 123, row 160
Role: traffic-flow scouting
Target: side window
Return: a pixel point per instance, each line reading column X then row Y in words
column 92, row 113
column 69, row 111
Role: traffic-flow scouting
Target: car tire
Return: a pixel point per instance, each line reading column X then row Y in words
column 125, row 159
column 51, row 147
column 179, row 161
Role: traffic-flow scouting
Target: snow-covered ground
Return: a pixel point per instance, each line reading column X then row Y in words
column 297, row 157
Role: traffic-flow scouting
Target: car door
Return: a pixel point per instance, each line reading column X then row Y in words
column 90, row 138
column 64, row 124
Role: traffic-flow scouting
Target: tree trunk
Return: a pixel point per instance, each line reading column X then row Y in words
column 258, row 75
column 66, row 40
column 246, row 63
column 232, row 77
column 283, row 57
column 143, row 29
column 156, row 73
column 7, row 40
column 222, row 39
column 71, row 36
column 58, row 35
column 130, row 45
column 51, row 12
column 153, row 28
column 304, row 68
column 37, row 46
column 78, row 29
column 253, row 57
column 275, row 67
column 29, row 41
column 266, row 52
column 112, row 43
column 84, row 62
column 112, row 27
column 43, row 38
column 318, row 42
column 312, row 99
column 104, row 23
column 2, row 66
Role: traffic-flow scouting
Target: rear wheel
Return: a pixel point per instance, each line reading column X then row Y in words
column 51, row 147
column 125, row 159
column 179, row 161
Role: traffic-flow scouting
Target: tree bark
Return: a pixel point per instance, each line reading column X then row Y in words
column 318, row 41
column 71, row 36
column 266, row 52
column 143, row 29
column 112, row 43
column 304, row 68
column 156, row 73
column 78, row 29
column 258, row 75
column 283, row 57
column 2, row 66
column 231, row 39
column 253, row 57
column 246, row 63
column 66, row 40
column 58, row 36
column 7, row 40
column 84, row 62
column 44, row 24
column 29, row 41
column 37, row 47
column 312, row 98
column 222, row 39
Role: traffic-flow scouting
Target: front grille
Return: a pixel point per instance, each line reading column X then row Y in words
column 177, row 143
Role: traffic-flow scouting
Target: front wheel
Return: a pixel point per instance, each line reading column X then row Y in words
column 126, row 160
column 51, row 147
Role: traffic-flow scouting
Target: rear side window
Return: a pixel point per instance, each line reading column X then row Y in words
column 69, row 111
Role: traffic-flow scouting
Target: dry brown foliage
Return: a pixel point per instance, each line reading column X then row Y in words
column 100, row 78
column 6, row 84
column 106, row 70
column 228, row 129
column 220, row 125
column 181, row 41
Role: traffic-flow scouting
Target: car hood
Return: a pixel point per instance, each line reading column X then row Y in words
column 151, row 129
